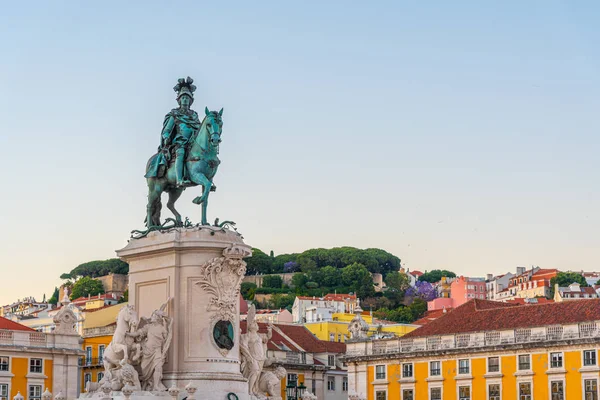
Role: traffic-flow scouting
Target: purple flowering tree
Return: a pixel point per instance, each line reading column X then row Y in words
column 290, row 266
column 423, row 290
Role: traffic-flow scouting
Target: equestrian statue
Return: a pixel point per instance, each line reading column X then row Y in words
column 187, row 156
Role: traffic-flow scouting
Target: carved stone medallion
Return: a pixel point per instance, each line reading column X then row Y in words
column 223, row 334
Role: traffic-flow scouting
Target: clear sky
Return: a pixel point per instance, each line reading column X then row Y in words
column 460, row 135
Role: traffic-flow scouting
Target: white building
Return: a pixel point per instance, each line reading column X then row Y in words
column 496, row 284
column 314, row 309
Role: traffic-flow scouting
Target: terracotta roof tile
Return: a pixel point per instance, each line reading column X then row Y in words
column 485, row 315
column 13, row 326
column 431, row 315
column 311, row 344
column 276, row 339
column 540, row 300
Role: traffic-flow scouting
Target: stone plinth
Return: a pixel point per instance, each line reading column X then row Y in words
column 200, row 269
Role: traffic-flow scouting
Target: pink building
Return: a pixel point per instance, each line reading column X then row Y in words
column 461, row 290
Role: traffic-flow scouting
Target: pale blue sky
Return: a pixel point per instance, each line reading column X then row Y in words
column 458, row 135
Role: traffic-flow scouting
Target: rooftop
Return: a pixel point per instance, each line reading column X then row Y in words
column 13, row 326
column 485, row 315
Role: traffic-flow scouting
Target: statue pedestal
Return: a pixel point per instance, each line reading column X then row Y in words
column 201, row 270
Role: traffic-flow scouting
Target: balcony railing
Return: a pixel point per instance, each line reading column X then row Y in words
column 91, row 362
column 101, row 331
column 463, row 341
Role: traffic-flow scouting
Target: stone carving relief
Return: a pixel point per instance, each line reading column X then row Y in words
column 221, row 277
column 65, row 321
column 358, row 327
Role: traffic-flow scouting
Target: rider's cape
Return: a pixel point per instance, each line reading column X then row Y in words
column 162, row 158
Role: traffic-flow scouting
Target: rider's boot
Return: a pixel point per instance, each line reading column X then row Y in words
column 179, row 164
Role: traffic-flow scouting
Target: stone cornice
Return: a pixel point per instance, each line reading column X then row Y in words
column 450, row 353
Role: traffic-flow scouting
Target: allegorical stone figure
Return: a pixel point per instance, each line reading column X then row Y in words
column 253, row 349
column 270, row 382
column 156, row 334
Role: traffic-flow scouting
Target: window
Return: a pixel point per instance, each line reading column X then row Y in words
column 524, row 362
column 292, row 378
column 463, row 366
column 4, row 364
column 407, row 370
column 589, row 357
column 35, row 365
column 493, row 364
column 35, row 392
column 314, row 385
column 435, row 393
column 494, row 392
column 591, row 389
column 557, row 390
column 332, row 337
column 88, row 356
column 86, row 378
column 407, row 394
column 344, row 384
column 380, row 372
column 464, row 393
column 100, row 376
column 303, row 358
column 4, row 391
column 556, row 360
column 380, row 395
column 331, row 361
column 100, row 353
column 331, row 383
column 525, row 391
column 435, row 368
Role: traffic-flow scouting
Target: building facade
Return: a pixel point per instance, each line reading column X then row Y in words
column 462, row 289
column 336, row 330
column 486, row 350
column 31, row 362
column 574, row 292
column 314, row 309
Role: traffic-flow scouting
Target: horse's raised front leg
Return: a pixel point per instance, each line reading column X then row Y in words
column 201, row 179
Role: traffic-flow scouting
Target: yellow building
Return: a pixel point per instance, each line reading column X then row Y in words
column 98, row 328
column 336, row 330
column 485, row 350
column 31, row 361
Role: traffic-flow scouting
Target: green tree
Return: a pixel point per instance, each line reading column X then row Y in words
column 125, row 297
column 418, row 308
column 299, row 280
column 86, row 286
column 282, row 301
column 54, row 298
column 397, row 280
column 248, row 289
column 272, row 281
column 436, row 275
column 565, row 279
column 357, row 277
column 259, row 263
column 97, row 268
column 330, row 276
column 280, row 261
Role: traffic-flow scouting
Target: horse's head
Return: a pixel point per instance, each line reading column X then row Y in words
column 214, row 126
column 129, row 316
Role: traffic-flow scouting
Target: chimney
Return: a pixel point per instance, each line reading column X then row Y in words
column 520, row 270
column 490, row 277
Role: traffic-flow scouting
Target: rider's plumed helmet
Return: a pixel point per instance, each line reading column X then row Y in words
column 184, row 86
